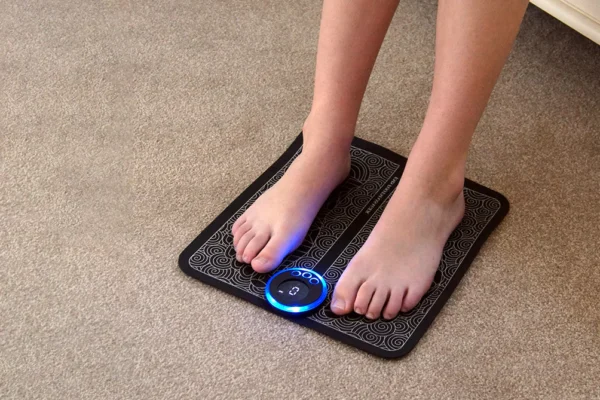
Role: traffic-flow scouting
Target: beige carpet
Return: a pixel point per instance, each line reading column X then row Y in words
column 125, row 128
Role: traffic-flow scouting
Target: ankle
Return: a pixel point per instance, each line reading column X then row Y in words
column 440, row 183
column 335, row 114
column 328, row 130
column 331, row 162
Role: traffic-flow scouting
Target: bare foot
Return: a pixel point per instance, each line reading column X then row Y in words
column 278, row 221
column 396, row 265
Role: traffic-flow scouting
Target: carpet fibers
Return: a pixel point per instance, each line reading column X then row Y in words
column 126, row 127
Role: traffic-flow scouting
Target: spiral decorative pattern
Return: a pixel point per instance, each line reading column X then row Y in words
column 368, row 174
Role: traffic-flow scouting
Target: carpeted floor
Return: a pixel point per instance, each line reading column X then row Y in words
column 126, row 127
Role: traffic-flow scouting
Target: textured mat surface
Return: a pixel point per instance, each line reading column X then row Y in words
column 120, row 121
column 339, row 230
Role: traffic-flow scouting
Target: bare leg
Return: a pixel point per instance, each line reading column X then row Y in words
column 351, row 34
column 396, row 265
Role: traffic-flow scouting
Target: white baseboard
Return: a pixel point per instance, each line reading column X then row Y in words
column 577, row 17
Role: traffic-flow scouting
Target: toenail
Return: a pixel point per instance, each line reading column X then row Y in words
column 358, row 310
column 260, row 260
column 370, row 316
column 338, row 304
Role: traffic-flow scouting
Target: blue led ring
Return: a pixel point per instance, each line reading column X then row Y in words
column 296, row 309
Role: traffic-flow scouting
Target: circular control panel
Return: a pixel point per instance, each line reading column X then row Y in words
column 296, row 290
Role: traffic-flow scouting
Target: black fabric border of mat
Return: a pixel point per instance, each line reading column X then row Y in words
column 264, row 177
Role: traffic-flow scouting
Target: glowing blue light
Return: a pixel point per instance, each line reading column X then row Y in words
column 296, row 309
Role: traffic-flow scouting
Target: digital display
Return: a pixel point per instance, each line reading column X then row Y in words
column 291, row 291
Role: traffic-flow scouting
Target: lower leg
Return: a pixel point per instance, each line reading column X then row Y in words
column 473, row 41
column 395, row 267
column 349, row 41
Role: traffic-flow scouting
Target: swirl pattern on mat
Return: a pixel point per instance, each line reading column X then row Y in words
column 368, row 173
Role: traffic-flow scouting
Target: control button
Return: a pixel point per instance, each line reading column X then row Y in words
column 296, row 290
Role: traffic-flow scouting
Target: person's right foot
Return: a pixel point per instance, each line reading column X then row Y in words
column 278, row 221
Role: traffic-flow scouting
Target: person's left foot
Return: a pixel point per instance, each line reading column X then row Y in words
column 396, row 265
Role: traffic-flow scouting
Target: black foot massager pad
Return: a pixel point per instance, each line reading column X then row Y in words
column 300, row 288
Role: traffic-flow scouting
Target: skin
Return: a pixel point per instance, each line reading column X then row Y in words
column 396, row 265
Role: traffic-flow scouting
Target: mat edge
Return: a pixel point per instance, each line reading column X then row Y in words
column 429, row 317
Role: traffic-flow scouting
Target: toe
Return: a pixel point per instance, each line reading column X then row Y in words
column 241, row 246
column 254, row 246
column 239, row 222
column 363, row 297
column 240, row 232
column 412, row 298
column 394, row 304
column 377, row 302
column 272, row 254
column 345, row 292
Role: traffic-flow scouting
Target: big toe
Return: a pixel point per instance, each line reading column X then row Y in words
column 345, row 292
column 272, row 254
